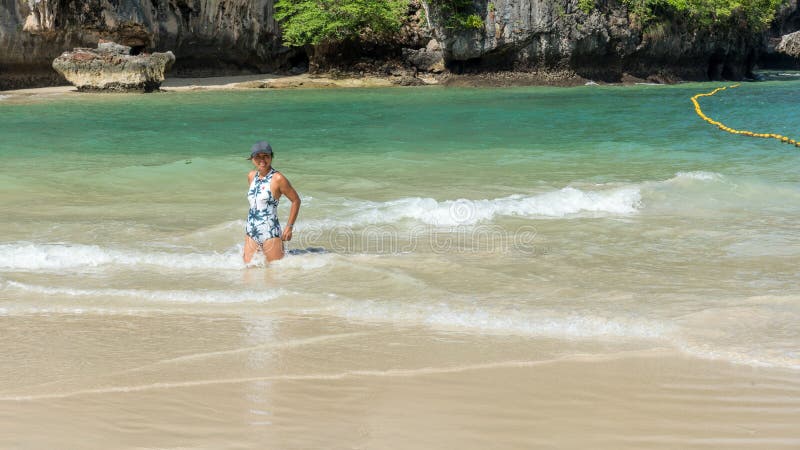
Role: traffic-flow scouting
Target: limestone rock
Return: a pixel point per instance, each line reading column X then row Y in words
column 408, row 81
column 428, row 59
column 603, row 44
column 227, row 37
column 111, row 67
column 211, row 38
column 790, row 45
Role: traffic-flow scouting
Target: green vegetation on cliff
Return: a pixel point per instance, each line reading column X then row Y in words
column 316, row 21
column 459, row 14
column 753, row 14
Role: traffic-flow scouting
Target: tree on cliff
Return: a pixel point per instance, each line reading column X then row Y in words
column 753, row 14
column 316, row 21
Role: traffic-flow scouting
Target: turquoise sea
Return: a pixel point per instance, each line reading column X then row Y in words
column 591, row 214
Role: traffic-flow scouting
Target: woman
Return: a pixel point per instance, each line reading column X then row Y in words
column 267, row 186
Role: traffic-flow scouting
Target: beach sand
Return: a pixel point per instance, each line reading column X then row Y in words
column 295, row 381
column 235, row 82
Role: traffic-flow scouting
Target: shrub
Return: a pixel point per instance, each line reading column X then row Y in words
column 315, row 21
column 756, row 13
column 459, row 14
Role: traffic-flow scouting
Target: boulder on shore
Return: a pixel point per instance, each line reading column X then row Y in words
column 790, row 45
column 112, row 67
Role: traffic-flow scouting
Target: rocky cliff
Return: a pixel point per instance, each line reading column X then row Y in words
column 606, row 42
column 216, row 37
column 787, row 23
column 208, row 37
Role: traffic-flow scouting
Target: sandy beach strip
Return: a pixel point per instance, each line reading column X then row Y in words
column 260, row 81
column 286, row 382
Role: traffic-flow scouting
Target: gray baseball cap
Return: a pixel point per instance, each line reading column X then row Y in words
column 260, row 147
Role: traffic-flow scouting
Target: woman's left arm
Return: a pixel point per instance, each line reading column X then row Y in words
column 286, row 189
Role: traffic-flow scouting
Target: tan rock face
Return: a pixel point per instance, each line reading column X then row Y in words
column 790, row 45
column 212, row 37
column 234, row 37
column 111, row 67
column 604, row 43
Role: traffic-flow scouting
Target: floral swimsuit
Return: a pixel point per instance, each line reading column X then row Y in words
column 262, row 220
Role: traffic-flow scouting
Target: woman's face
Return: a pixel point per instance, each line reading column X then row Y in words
column 262, row 161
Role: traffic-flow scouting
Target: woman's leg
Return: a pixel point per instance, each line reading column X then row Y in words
column 273, row 249
column 250, row 248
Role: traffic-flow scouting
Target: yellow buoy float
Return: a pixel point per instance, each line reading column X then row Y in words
column 723, row 127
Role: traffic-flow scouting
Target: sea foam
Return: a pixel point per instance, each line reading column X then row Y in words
column 165, row 296
column 697, row 175
column 567, row 202
column 65, row 256
column 695, row 336
column 564, row 202
column 700, row 340
column 30, row 256
column 541, row 323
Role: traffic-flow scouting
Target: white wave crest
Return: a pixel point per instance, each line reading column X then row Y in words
column 551, row 325
column 176, row 296
column 697, row 175
column 561, row 203
column 542, row 323
column 765, row 357
column 29, row 256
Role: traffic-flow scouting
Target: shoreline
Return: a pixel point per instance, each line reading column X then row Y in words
column 334, row 81
column 338, row 81
column 235, row 82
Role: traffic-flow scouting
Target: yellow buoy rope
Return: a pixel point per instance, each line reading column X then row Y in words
column 723, row 127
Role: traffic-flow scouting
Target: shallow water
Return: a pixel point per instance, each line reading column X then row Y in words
column 585, row 214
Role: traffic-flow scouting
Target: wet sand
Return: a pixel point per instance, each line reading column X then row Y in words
column 295, row 381
column 271, row 81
